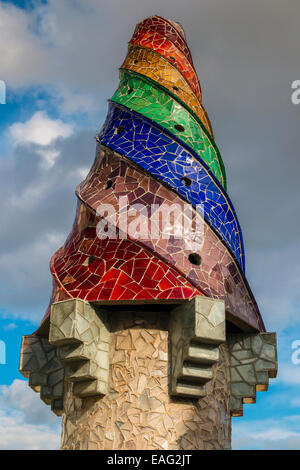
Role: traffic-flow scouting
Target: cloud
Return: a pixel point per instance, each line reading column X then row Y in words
column 10, row 326
column 295, row 402
column 267, row 434
column 289, row 374
column 41, row 47
column 43, row 132
column 22, row 53
column 26, row 423
column 37, row 212
column 40, row 130
column 16, row 435
column 20, row 397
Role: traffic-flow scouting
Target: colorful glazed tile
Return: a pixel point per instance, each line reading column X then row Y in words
column 154, row 66
column 149, row 146
column 156, row 42
column 92, row 269
column 137, row 92
column 170, row 31
column 217, row 276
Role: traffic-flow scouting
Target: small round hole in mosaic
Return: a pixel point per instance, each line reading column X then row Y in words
column 90, row 260
column 179, row 127
column 109, row 184
column 120, row 130
column 186, row 181
column 194, row 258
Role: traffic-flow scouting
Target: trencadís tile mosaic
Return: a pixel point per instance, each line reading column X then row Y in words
column 146, row 144
column 92, row 269
column 169, row 31
column 217, row 275
column 147, row 38
column 154, row 66
column 144, row 96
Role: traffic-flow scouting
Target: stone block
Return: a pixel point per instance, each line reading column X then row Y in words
column 197, row 327
column 82, row 339
column 253, row 360
column 39, row 364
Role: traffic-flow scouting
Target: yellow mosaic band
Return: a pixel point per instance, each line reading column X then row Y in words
column 155, row 66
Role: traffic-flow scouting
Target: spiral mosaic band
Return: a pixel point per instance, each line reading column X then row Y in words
column 91, row 269
column 152, row 40
column 149, row 146
column 126, row 179
column 169, row 30
column 154, row 66
column 143, row 96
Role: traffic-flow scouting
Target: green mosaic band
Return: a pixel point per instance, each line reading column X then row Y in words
column 143, row 95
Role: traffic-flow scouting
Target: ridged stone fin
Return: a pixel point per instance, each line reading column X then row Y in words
column 82, row 338
column 39, row 363
column 197, row 327
column 253, row 360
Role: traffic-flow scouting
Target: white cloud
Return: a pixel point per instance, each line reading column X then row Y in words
column 81, row 173
column 289, row 373
column 40, row 130
column 277, row 434
column 17, row 435
column 22, row 55
column 41, row 46
column 26, row 423
column 20, row 397
column 267, row 434
column 295, row 401
column 10, row 326
column 49, row 157
column 30, row 196
column 37, row 213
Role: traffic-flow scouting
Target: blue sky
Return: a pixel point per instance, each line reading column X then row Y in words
column 60, row 62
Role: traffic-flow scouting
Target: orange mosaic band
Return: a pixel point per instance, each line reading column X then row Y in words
column 163, row 46
column 154, row 66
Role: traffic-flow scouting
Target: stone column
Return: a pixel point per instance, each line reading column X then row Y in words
column 151, row 376
column 138, row 411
